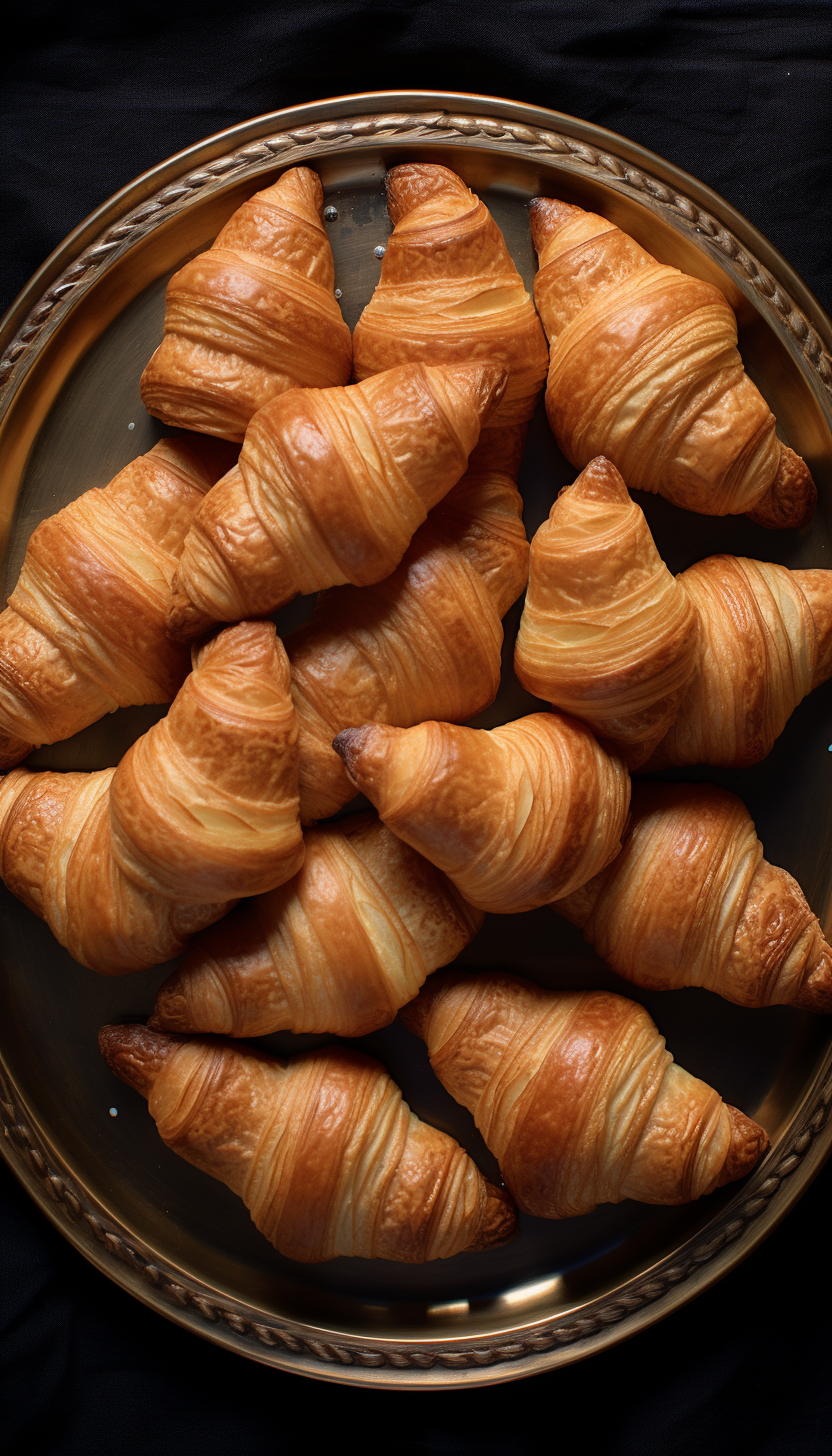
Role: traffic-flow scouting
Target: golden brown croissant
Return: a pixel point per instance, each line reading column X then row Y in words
column 515, row 816
column 607, row 633
column 337, row 949
column 449, row 291
column 690, row 901
column 764, row 642
column 426, row 642
column 326, row 1156
column 84, row 631
column 644, row 369
column 253, row 316
column 125, row 865
column 330, row 487
column 576, row 1095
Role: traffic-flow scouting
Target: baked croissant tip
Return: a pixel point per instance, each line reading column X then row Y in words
column 416, row 1013
column 599, row 480
column 748, row 1143
column 548, row 215
column 135, row 1053
column 499, row 1224
column 184, row 621
column 349, row 745
column 816, row 992
column 791, row 500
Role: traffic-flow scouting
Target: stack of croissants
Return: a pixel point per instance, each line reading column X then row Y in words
column 395, row 498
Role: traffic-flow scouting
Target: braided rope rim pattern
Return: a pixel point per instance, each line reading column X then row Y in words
column 73, row 1207
column 291, row 146
column 24, row 1150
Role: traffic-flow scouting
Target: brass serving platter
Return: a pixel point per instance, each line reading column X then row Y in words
column 73, row 347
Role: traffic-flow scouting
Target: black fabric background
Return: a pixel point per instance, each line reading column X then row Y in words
column 739, row 95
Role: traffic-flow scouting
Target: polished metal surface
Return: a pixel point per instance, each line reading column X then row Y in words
column 73, row 349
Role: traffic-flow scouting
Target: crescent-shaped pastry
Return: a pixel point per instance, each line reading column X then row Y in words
column 764, row 642
column 690, row 901
column 577, row 1096
column 644, row 369
column 330, row 487
column 84, row 631
column 327, row 1157
column 515, row 816
column 450, row 292
column 426, row 642
column 253, row 316
column 338, row 948
column 126, row 864
column 607, row 633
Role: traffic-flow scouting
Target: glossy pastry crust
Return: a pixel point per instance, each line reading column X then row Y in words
column 515, row 816
column 424, row 643
column 607, row 633
column 253, row 316
column 690, row 901
column 449, row 291
column 338, row 949
column 126, row 864
column 330, row 487
column 323, row 1151
column 577, row 1096
column 84, row 631
column 644, row 369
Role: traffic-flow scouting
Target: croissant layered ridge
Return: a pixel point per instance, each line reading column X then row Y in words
column 607, row 633
column 84, row 631
column 577, row 1096
column 330, row 487
column 515, row 816
column 325, row 1154
column 690, row 901
column 339, row 948
column 424, row 643
column 644, row 369
column 127, row 864
column 449, row 291
column 764, row 642
column 253, row 316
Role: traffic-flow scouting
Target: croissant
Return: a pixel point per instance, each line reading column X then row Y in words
column 607, row 633
column 764, row 642
column 253, row 316
column 125, row 865
column 577, row 1096
column 426, row 642
column 644, row 369
column 690, row 901
column 704, row 668
column 514, row 816
column 323, row 1151
column 84, row 631
column 330, row 487
column 337, row 949
column 449, row 291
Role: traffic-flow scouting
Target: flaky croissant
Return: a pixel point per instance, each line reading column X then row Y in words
column 449, row 291
column 704, row 668
column 690, row 901
column 84, row 631
column 764, row 642
column 125, row 865
column 607, row 633
column 253, row 316
column 338, row 949
column 644, row 369
column 326, row 1156
column 330, row 487
column 426, row 642
column 577, row 1096
column 514, row 816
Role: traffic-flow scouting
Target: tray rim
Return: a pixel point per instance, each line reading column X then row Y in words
column 59, row 286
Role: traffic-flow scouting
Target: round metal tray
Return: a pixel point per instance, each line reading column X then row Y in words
column 73, row 348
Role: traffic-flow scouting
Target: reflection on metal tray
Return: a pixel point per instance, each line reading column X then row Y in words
column 70, row 417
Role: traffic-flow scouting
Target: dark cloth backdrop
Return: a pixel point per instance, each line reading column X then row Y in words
column 736, row 93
